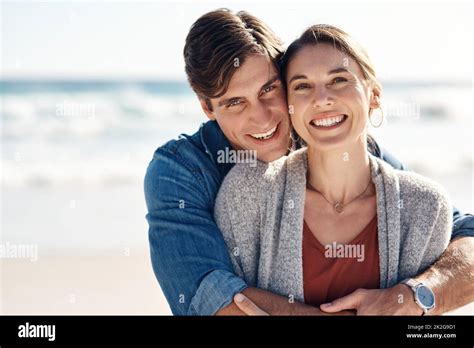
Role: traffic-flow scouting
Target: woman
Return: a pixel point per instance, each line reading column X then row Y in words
column 330, row 218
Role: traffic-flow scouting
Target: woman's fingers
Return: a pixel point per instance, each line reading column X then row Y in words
column 247, row 306
column 348, row 302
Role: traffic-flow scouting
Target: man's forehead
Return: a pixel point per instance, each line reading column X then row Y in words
column 252, row 74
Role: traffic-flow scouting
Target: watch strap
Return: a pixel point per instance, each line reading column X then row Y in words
column 413, row 285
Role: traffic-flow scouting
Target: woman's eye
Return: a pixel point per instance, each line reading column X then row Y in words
column 339, row 80
column 301, row 86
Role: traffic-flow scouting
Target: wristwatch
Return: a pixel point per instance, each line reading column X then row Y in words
column 424, row 296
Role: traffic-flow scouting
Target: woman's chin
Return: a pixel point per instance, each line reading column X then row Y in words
column 328, row 143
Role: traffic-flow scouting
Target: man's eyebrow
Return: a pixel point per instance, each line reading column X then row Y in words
column 270, row 82
column 265, row 85
column 228, row 101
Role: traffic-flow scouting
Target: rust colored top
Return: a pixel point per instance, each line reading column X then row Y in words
column 336, row 270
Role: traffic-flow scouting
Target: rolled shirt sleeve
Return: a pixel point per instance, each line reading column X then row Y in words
column 188, row 253
column 216, row 291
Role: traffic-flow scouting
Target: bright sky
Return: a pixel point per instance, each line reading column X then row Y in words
column 145, row 40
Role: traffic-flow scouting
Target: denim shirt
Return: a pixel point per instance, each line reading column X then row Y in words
column 188, row 252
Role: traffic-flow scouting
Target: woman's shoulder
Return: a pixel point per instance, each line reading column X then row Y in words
column 264, row 173
column 417, row 191
column 421, row 188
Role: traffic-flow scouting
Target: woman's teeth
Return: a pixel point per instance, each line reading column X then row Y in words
column 266, row 135
column 328, row 122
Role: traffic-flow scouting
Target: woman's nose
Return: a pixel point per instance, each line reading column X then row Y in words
column 322, row 97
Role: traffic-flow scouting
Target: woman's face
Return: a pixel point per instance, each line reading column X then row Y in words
column 328, row 97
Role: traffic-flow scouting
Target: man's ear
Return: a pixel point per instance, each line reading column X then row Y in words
column 210, row 114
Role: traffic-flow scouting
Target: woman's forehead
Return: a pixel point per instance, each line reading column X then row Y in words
column 322, row 58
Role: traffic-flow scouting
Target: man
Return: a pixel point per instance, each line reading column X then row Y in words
column 231, row 64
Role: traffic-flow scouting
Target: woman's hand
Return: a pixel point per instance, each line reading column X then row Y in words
column 247, row 306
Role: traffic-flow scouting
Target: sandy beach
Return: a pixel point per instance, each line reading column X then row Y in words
column 102, row 283
column 108, row 283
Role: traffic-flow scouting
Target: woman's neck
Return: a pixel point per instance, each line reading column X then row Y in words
column 340, row 175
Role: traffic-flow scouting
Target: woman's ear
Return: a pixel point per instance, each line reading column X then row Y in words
column 375, row 97
column 205, row 107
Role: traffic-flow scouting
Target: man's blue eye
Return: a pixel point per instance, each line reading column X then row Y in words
column 233, row 103
column 269, row 89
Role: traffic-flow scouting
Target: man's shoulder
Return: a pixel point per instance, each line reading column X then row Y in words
column 185, row 150
column 181, row 158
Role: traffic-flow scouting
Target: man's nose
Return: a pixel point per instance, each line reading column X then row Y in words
column 261, row 117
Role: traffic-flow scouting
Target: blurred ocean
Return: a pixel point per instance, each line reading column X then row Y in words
column 74, row 153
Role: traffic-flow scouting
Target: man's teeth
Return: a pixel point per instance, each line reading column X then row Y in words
column 328, row 122
column 266, row 135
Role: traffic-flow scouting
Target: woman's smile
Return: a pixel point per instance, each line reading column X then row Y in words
column 328, row 120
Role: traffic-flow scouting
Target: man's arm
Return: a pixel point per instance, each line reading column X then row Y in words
column 188, row 253
column 451, row 277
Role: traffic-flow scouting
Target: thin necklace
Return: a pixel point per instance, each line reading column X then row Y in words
column 338, row 206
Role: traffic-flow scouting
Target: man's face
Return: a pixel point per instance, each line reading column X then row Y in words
column 253, row 113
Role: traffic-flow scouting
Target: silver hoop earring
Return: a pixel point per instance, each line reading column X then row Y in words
column 382, row 117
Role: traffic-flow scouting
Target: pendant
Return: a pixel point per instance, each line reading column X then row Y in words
column 339, row 208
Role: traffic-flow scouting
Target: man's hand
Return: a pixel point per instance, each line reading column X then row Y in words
column 397, row 300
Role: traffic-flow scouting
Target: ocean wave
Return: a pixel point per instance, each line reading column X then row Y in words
column 61, row 135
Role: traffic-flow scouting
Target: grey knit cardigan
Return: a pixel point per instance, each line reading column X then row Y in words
column 259, row 210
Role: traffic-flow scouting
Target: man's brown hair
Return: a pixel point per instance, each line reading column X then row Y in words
column 218, row 43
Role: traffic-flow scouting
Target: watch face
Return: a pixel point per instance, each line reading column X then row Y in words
column 425, row 296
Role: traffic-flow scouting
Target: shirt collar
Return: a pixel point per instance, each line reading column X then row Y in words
column 213, row 140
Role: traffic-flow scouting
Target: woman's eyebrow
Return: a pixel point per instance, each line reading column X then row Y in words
column 297, row 77
column 338, row 70
column 331, row 72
